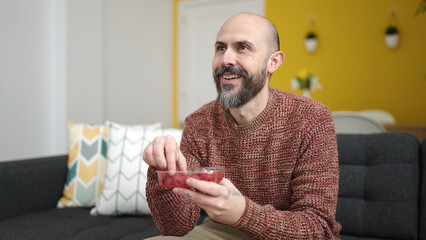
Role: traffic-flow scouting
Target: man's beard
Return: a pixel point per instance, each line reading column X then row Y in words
column 250, row 87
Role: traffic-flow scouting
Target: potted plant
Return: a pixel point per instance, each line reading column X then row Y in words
column 306, row 81
column 311, row 42
column 391, row 37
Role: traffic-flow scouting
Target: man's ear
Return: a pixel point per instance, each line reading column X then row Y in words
column 275, row 60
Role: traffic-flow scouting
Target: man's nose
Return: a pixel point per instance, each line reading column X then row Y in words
column 228, row 58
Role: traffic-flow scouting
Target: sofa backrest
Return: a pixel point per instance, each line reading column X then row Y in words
column 379, row 186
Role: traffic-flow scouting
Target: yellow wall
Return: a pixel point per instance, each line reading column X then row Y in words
column 355, row 68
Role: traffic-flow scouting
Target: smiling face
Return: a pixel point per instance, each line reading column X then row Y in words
column 240, row 63
column 235, row 87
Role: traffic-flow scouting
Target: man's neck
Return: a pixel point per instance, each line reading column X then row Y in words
column 249, row 111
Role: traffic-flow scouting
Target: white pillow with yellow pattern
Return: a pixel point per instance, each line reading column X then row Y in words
column 86, row 165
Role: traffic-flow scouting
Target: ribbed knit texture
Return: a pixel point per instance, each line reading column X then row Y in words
column 284, row 162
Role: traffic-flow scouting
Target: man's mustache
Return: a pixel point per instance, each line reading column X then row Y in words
column 232, row 70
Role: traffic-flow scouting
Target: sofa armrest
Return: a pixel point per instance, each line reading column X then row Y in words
column 31, row 185
column 422, row 201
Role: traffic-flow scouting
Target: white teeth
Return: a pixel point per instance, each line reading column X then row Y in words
column 228, row 77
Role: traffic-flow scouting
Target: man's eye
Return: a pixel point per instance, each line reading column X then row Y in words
column 243, row 47
column 220, row 49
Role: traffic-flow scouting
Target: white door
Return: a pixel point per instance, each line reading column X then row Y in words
column 199, row 22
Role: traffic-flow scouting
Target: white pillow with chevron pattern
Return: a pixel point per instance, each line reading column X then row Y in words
column 86, row 165
column 125, row 178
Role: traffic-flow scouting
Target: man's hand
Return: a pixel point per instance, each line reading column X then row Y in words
column 164, row 153
column 222, row 202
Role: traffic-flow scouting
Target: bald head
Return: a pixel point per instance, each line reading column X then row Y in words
column 246, row 55
column 258, row 23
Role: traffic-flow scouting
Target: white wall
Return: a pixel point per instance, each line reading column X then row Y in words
column 85, row 61
column 138, row 61
column 31, row 78
column 119, row 61
column 80, row 60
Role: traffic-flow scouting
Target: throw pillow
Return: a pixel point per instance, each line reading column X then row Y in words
column 126, row 173
column 86, row 165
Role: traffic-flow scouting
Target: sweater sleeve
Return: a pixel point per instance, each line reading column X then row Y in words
column 314, row 187
column 173, row 214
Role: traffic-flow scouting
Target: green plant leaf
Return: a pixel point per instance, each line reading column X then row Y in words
column 422, row 8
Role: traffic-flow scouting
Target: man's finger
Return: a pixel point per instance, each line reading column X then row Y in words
column 158, row 153
column 226, row 182
column 199, row 198
column 232, row 190
column 181, row 161
column 170, row 149
column 208, row 188
column 147, row 156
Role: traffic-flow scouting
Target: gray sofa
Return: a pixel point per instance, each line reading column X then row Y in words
column 381, row 196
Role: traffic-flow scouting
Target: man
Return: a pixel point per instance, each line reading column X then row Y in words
column 278, row 149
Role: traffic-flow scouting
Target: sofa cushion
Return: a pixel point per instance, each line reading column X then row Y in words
column 379, row 185
column 86, row 165
column 76, row 223
column 125, row 179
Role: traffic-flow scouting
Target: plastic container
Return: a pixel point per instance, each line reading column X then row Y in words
column 211, row 174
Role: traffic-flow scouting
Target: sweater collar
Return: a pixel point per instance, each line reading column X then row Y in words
column 253, row 125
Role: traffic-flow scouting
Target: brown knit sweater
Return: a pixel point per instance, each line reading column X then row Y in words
column 284, row 162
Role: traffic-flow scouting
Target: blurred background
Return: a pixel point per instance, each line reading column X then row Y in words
column 145, row 61
column 354, row 65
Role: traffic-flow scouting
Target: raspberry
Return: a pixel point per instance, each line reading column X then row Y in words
column 179, row 179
